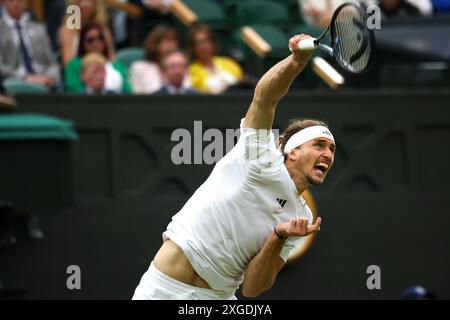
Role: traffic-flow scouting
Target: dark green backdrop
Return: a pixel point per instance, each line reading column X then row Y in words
column 385, row 203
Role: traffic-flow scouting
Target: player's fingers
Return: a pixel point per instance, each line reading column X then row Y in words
column 293, row 224
column 293, row 42
column 303, row 225
column 315, row 227
column 318, row 223
column 304, row 37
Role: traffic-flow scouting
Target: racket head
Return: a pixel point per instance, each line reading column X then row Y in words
column 352, row 41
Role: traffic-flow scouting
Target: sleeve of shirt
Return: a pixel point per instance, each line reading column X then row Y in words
column 259, row 147
column 289, row 244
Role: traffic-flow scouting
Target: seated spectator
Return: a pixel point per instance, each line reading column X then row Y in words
column 425, row 6
column 93, row 73
column 417, row 292
column 25, row 50
column 174, row 70
column 54, row 16
column 441, row 6
column 91, row 11
column 210, row 73
column 398, row 8
column 318, row 13
column 92, row 40
column 145, row 76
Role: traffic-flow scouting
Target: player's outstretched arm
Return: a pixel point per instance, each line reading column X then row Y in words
column 274, row 84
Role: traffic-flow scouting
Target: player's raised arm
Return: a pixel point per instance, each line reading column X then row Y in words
column 274, row 85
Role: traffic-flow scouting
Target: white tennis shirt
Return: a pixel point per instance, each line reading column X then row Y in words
column 228, row 219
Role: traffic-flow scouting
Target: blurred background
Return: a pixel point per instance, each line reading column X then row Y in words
column 92, row 90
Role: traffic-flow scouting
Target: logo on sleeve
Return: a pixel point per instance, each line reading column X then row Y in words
column 282, row 202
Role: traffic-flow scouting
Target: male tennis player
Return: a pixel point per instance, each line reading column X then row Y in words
column 241, row 223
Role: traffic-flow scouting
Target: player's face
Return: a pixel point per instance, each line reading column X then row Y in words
column 314, row 159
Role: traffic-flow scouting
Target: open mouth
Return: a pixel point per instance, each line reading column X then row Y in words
column 321, row 168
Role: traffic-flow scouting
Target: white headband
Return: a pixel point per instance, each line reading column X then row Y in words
column 307, row 134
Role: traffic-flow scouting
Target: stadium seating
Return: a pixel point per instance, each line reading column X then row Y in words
column 129, row 55
column 208, row 12
column 13, row 86
column 255, row 12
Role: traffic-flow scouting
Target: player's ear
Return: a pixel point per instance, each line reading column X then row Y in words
column 292, row 155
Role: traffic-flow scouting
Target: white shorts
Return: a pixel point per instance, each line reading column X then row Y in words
column 155, row 285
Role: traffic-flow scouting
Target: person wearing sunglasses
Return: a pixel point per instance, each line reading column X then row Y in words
column 91, row 11
column 92, row 39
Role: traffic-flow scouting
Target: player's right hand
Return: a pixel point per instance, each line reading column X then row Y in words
column 298, row 227
column 300, row 56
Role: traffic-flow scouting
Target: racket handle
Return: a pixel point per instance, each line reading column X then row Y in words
column 307, row 44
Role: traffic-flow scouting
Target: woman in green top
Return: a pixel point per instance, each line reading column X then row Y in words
column 93, row 40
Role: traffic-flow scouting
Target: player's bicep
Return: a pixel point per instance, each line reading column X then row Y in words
column 259, row 117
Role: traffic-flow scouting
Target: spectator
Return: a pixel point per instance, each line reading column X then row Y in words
column 25, row 50
column 55, row 13
column 441, row 6
column 396, row 8
column 92, row 39
column 119, row 25
column 92, row 11
column 174, row 70
column 145, row 76
column 210, row 73
column 417, row 293
column 318, row 13
column 425, row 6
column 93, row 73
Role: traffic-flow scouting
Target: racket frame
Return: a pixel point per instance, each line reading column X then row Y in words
column 329, row 49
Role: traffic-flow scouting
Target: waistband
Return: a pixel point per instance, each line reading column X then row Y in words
column 178, row 286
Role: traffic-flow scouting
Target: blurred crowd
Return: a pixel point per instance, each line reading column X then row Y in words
column 50, row 54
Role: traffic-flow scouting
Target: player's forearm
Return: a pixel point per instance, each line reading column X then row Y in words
column 263, row 269
column 276, row 82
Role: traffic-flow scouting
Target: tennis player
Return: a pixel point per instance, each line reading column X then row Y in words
column 240, row 225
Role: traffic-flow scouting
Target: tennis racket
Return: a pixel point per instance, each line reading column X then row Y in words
column 352, row 43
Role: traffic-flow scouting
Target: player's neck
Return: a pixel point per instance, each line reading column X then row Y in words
column 300, row 181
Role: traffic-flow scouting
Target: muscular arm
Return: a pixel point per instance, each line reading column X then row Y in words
column 274, row 85
column 262, row 271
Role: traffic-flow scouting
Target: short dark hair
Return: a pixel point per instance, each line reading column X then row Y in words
column 193, row 31
column 295, row 126
column 154, row 37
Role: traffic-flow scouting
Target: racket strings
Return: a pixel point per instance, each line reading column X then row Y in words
column 351, row 39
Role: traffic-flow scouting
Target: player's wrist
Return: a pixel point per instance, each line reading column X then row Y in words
column 279, row 235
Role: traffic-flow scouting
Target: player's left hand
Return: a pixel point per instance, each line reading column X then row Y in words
column 298, row 227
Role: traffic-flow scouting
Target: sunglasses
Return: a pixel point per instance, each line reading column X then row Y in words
column 91, row 40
